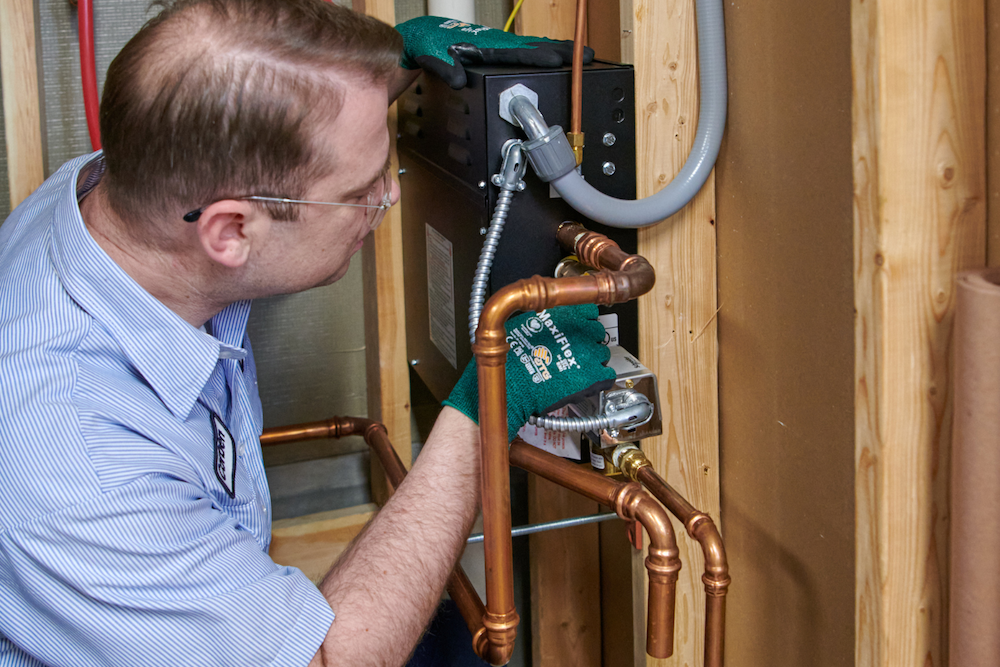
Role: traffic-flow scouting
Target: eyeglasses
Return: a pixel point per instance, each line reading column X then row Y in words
column 381, row 192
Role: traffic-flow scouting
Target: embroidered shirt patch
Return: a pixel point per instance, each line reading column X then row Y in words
column 225, row 455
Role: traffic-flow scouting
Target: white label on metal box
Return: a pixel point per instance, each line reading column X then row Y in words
column 441, row 294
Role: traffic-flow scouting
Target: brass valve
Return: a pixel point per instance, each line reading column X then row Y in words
column 576, row 143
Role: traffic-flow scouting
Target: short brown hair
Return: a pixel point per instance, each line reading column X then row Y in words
column 220, row 98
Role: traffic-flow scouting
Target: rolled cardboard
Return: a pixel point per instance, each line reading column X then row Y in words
column 974, row 619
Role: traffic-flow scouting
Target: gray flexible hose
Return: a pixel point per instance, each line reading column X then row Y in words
column 692, row 176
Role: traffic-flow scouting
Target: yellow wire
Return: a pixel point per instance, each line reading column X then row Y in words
column 510, row 20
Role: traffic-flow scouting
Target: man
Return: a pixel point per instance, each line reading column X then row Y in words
column 246, row 155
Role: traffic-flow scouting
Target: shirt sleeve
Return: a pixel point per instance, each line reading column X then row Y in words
column 153, row 573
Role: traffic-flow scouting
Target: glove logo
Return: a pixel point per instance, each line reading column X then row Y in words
column 541, row 357
column 534, row 325
column 463, row 27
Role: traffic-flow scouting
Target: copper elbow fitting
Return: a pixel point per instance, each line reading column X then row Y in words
column 495, row 642
column 662, row 563
column 632, row 275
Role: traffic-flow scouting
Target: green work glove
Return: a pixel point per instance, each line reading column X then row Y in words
column 443, row 46
column 555, row 356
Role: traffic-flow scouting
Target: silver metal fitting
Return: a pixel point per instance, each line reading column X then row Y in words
column 509, row 94
column 627, row 412
column 609, row 139
column 627, row 408
column 608, row 168
column 513, row 167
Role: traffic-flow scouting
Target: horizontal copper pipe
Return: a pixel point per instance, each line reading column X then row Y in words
column 459, row 587
column 632, row 504
column 622, row 277
column 716, row 577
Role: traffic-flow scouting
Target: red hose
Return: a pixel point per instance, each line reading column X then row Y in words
column 88, row 71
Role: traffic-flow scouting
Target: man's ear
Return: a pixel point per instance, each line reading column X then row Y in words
column 226, row 229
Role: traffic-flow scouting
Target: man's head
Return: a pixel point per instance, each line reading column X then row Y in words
column 217, row 99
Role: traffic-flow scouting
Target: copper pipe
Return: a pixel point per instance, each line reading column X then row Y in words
column 624, row 277
column 632, row 504
column 700, row 527
column 576, row 92
column 632, row 273
column 459, row 587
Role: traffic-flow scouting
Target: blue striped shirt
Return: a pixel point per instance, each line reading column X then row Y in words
column 135, row 518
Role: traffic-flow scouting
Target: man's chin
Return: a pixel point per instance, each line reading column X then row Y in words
column 331, row 279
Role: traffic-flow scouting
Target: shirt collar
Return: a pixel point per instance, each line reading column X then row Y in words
column 173, row 357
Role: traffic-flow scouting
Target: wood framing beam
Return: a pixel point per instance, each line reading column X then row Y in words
column 21, row 105
column 556, row 19
column 677, row 320
column 385, row 322
column 565, row 580
column 919, row 218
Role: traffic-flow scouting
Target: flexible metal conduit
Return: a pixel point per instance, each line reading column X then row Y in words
column 692, row 176
column 624, row 277
column 459, row 587
column 481, row 280
column 509, row 181
column 633, row 414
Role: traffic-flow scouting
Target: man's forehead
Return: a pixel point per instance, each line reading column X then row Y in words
column 360, row 164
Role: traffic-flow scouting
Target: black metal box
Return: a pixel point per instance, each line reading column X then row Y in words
column 449, row 147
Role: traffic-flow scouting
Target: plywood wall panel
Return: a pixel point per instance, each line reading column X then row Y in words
column 786, row 335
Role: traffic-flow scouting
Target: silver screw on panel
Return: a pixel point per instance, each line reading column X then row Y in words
column 482, row 185
column 608, row 168
column 609, row 139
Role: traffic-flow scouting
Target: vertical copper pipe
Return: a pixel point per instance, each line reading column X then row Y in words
column 632, row 504
column 459, row 587
column 576, row 91
column 627, row 277
column 501, row 618
column 716, row 577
